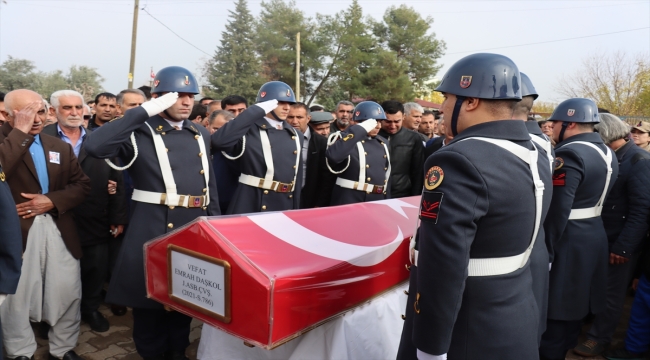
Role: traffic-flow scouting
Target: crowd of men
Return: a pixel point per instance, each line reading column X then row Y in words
column 542, row 223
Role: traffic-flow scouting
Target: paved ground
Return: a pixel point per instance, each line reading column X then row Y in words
column 117, row 343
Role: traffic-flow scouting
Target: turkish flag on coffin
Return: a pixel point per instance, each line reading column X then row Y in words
column 267, row 278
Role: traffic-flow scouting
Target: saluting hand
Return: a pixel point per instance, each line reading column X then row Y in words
column 24, row 118
column 38, row 204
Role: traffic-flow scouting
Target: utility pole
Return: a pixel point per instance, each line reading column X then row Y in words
column 134, row 36
column 298, row 66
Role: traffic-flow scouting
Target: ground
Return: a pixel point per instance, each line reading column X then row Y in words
column 117, row 342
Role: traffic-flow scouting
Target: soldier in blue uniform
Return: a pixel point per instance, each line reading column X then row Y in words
column 11, row 244
column 174, row 183
column 360, row 158
column 483, row 203
column 585, row 171
column 267, row 151
column 539, row 256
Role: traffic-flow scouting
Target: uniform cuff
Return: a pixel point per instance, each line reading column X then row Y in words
column 424, row 356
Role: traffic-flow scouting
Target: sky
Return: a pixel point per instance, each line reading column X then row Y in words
column 548, row 40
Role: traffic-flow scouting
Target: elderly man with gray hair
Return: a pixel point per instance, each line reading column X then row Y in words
column 343, row 115
column 625, row 218
column 130, row 98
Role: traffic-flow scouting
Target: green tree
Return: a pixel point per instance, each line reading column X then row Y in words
column 51, row 82
column 406, row 33
column 85, row 80
column 387, row 78
column 18, row 74
column 276, row 30
column 234, row 69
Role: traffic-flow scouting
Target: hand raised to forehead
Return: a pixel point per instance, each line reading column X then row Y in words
column 24, row 118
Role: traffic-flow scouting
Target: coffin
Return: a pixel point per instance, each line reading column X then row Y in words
column 268, row 278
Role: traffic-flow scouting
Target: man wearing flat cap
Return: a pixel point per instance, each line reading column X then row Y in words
column 320, row 122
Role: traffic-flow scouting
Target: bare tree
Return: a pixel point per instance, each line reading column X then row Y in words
column 615, row 81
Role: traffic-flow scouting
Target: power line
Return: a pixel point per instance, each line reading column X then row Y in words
column 550, row 41
column 173, row 32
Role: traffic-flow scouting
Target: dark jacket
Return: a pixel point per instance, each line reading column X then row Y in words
column 148, row 220
column 627, row 208
column 100, row 210
column 478, row 202
column 343, row 157
column 319, row 181
column 432, row 146
column 11, row 244
column 249, row 199
column 69, row 186
column 407, row 161
column 577, row 248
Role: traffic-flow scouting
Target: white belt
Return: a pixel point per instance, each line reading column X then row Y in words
column 546, row 145
column 508, row 264
column 188, row 201
column 267, row 182
column 171, row 197
column 355, row 185
column 592, row 212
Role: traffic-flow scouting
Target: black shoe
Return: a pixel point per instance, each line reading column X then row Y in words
column 96, row 320
column 23, row 358
column 158, row 357
column 70, row 355
column 175, row 355
column 118, row 310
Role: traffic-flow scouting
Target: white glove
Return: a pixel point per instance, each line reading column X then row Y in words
column 369, row 125
column 160, row 104
column 268, row 106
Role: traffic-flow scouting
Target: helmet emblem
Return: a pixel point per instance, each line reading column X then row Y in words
column 263, row 94
column 288, row 92
column 155, row 83
column 187, row 80
column 357, row 113
column 570, row 112
column 465, row 81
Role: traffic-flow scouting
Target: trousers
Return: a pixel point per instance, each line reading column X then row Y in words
column 49, row 290
column 618, row 279
column 637, row 339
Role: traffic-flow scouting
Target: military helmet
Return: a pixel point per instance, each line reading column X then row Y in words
column 576, row 110
column 368, row 110
column 483, row 76
column 276, row 90
column 527, row 88
column 175, row 79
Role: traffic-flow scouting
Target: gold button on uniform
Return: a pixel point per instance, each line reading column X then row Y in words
column 290, row 196
column 385, row 181
column 162, row 133
column 263, row 207
column 384, row 156
column 367, row 165
column 365, row 153
column 363, row 141
column 295, row 151
column 201, row 172
column 170, row 225
column 200, row 154
column 167, row 150
column 293, row 138
column 204, row 208
column 368, row 179
column 266, row 192
column 263, row 126
column 171, row 208
column 196, row 137
column 294, row 166
column 205, row 190
column 385, row 168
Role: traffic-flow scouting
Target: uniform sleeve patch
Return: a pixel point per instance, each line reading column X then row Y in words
column 558, row 163
column 430, row 206
column 433, row 177
column 559, row 178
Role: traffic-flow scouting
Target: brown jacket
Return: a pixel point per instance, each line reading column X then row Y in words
column 69, row 186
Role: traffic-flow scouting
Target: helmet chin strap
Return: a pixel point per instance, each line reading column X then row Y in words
column 454, row 115
column 564, row 126
column 275, row 115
